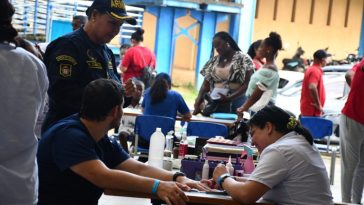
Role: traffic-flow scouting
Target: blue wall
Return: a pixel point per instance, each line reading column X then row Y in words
column 59, row 28
column 167, row 12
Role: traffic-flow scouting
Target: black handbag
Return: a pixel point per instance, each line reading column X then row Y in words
column 240, row 130
column 213, row 106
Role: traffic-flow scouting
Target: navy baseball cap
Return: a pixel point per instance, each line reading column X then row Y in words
column 115, row 8
column 320, row 54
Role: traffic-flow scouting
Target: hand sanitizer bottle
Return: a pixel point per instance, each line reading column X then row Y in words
column 205, row 170
column 230, row 166
column 249, row 162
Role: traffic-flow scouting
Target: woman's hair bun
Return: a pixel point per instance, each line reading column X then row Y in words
column 140, row 31
column 276, row 40
column 138, row 35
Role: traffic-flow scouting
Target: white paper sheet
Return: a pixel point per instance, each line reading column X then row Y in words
column 215, row 93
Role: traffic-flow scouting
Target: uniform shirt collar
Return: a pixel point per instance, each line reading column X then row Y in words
column 88, row 40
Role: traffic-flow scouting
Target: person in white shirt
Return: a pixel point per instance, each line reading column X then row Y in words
column 23, row 85
column 126, row 129
column 290, row 169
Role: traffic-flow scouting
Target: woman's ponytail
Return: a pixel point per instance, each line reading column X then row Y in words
column 283, row 121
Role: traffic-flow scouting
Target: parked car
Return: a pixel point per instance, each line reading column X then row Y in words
column 288, row 78
column 336, row 94
column 337, row 68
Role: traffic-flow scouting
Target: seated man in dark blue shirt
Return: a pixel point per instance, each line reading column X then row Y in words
column 77, row 160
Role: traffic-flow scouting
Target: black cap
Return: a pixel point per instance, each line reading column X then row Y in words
column 320, row 54
column 115, row 8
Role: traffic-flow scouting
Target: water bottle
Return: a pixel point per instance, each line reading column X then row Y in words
column 169, row 141
column 205, row 170
column 156, row 148
column 183, row 148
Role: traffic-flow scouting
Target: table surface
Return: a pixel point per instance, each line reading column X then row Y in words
column 200, row 198
column 137, row 112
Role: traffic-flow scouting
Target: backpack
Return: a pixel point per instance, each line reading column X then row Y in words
column 148, row 73
column 148, row 76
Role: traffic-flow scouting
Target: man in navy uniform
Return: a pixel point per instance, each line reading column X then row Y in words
column 80, row 57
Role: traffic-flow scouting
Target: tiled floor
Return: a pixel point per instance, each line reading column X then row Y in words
column 113, row 200
column 335, row 189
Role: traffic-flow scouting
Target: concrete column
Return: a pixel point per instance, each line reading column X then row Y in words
column 164, row 39
column 207, row 32
column 361, row 41
column 246, row 24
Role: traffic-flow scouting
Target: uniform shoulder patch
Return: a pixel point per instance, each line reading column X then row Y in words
column 66, row 58
column 110, row 65
column 65, row 70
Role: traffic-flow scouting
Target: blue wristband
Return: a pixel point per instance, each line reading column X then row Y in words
column 221, row 178
column 155, row 186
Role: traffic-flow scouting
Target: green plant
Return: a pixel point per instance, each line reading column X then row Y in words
column 188, row 92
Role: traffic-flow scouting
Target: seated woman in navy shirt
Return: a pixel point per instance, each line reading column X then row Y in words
column 160, row 100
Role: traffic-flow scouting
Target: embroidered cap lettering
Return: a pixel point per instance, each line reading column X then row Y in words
column 117, row 4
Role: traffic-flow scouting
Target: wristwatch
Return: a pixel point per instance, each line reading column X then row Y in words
column 177, row 174
column 222, row 178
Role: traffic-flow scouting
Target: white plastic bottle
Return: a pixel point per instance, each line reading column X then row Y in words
column 156, row 148
column 230, row 166
column 205, row 170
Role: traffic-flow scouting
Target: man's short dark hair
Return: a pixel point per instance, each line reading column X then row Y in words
column 320, row 54
column 83, row 19
column 99, row 98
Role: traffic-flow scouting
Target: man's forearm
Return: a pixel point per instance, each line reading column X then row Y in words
column 157, row 173
column 117, row 179
column 97, row 173
column 142, row 169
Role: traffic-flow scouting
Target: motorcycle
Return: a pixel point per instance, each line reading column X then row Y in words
column 350, row 59
column 296, row 63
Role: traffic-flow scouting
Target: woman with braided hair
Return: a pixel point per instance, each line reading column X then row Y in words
column 226, row 77
column 290, row 169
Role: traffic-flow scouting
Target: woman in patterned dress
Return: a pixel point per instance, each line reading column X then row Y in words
column 229, row 71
